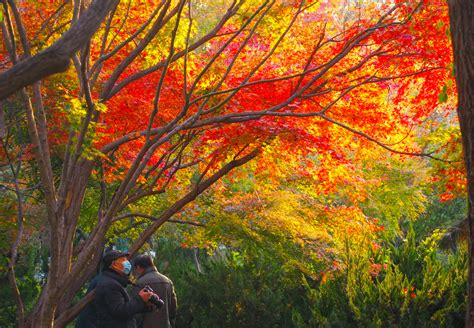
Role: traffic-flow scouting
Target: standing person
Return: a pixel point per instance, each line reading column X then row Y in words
column 147, row 274
column 114, row 307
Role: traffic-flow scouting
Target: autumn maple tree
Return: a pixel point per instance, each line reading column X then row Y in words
column 158, row 100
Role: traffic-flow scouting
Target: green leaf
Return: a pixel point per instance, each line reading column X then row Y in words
column 443, row 95
column 439, row 24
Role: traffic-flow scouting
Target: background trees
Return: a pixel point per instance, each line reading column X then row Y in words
column 158, row 106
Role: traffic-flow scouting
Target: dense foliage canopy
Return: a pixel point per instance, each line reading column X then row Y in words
column 306, row 128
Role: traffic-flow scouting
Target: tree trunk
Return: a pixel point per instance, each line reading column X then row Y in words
column 461, row 14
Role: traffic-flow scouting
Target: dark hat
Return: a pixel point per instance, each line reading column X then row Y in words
column 112, row 255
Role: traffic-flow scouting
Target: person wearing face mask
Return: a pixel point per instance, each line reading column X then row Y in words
column 114, row 306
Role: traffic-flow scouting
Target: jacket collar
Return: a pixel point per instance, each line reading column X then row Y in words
column 148, row 270
column 121, row 278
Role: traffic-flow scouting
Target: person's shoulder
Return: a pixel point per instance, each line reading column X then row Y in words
column 106, row 279
column 153, row 277
column 163, row 278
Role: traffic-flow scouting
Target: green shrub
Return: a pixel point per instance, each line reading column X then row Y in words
column 402, row 284
column 417, row 286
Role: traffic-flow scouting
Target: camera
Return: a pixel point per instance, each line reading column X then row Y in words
column 154, row 299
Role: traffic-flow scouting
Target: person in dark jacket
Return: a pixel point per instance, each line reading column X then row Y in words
column 114, row 306
column 147, row 275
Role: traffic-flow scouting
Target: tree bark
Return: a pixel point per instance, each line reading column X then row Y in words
column 461, row 14
column 55, row 58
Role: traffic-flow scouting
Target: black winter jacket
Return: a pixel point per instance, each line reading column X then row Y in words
column 114, row 307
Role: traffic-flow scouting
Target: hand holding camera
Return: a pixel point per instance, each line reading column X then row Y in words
column 150, row 296
column 144, row 295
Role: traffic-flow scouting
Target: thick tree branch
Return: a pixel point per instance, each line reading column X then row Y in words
column 189, row 197
column 150, row 217
column 55, row 58
column 67, row 316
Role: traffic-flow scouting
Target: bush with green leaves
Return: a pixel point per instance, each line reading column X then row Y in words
column 404, row 283
column 415, row 285
column 236, row 288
